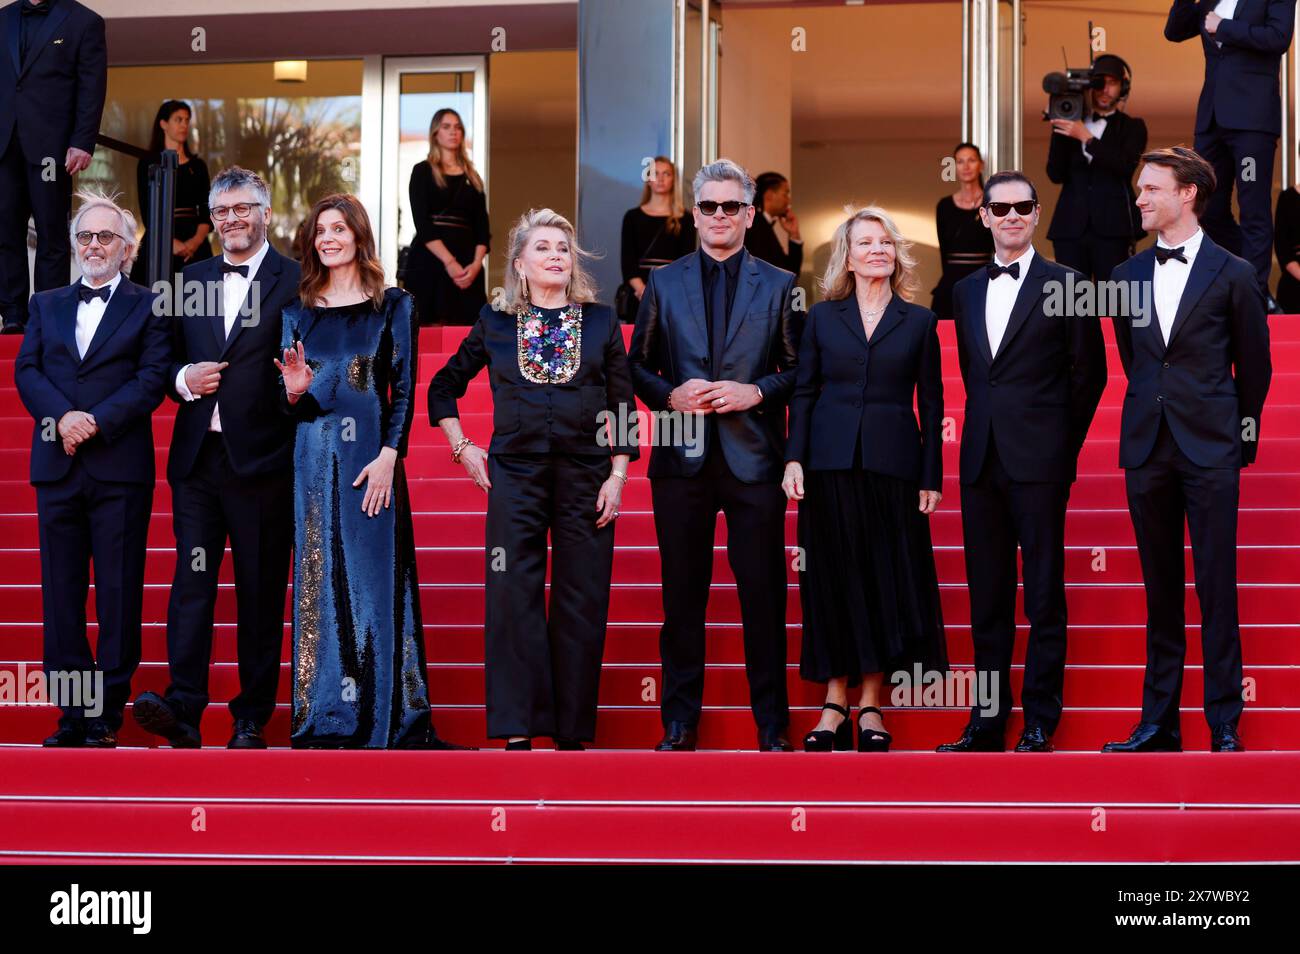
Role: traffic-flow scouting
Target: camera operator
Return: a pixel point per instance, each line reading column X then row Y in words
column 1093, row 159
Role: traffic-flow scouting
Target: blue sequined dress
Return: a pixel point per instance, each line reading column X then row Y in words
column 358, row 650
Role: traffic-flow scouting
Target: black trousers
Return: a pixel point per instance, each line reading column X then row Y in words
column 542, row 669
column 83, row 520
column 997, row 514
column 1227, row 150
column 1094, row 255
column 1164, row 491
column 686, row 514
column 256, row 513
column 24, row 194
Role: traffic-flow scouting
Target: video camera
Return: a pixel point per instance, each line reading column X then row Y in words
column 1065, row 91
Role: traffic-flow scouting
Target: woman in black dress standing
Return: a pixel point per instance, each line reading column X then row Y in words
column 558, row 370
column 656, row 232
column 190, row 223
column 349, row 368
column 964, row 243
column 1286, row 242
column 869, row 590
column 444, row 266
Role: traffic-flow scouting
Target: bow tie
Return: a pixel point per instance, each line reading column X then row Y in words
column 994, row 270
column 30, row 11
column 1098, row 117
column 226, row 268
column 1165, row 254
column 86, row 293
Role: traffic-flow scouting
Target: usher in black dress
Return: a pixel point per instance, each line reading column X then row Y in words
column 191, row 211
column 457, row 215
column 964, row 245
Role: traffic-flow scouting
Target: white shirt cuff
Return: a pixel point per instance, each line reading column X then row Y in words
column 181, row 388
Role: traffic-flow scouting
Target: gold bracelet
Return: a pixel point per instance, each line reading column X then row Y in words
column 459, row 448
column 619, row 474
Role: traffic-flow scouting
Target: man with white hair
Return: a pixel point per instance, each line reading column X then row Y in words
column 91, row 371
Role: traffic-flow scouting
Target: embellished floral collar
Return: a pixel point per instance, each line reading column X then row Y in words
column 550, row 348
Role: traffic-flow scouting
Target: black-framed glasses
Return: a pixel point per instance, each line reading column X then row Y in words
column 730, row 207
column 242, row 210
column 105, row 237
column 999, row 209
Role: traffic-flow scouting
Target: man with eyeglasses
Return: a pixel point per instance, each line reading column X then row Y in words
column 91, row 371
column 716, row 336
column 53, row 75
column 1033, row 382
column 230, row 468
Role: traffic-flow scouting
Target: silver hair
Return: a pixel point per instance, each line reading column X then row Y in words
column 724, row 170
column 96, row 199
column 235, row 177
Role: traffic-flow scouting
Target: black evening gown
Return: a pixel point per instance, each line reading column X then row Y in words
column 359, row 676
column 457, row 215
column 964, row 245
column 1286, row 242
column 190, row 211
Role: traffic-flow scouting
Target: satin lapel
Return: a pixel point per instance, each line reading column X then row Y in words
column 894, row 314
column 1030, row 291
column 209, row 276
column 66, row 313
column 852, row 318
column 694, row 282
column 119, row 306
column 12, row 26
column 41, row 38
column 1142, row 275
column 746, row 284
column 1208, row 263
column 976, row 324
column 264, row 283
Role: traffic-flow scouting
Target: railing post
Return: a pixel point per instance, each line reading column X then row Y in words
column 162, row 202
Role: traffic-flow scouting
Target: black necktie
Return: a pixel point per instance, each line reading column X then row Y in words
column 995, row 270
column 718, row 314
column 86, row 293
column 226, row 267
column 1165, row 254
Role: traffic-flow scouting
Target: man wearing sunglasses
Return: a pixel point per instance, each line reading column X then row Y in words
column 1033, row 382
column 91, row 372
column 715, row 336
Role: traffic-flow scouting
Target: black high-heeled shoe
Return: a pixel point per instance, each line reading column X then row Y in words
column 826, row 740
column 520, row 745
column 568, row 745
column 872, row 740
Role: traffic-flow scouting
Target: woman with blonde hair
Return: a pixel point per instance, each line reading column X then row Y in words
column 656, row 232
column 867, row 478
column 559, row 376
column 444, row 265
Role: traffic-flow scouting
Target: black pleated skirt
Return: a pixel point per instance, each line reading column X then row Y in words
column 869, row 589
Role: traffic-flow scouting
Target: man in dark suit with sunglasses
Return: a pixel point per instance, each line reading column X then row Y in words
column 1033, row 381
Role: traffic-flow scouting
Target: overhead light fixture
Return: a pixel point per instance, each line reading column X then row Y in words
column 291, row 71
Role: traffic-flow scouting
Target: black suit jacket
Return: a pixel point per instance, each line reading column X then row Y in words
column 761, row 240
column 1097, row 197
column 1213, row 374
column 850, row 388
column 258, row 438
column 120, row 382
column 55, row 99
column 1241, row 77
column 670, row 345
column 1036, row 398
column 533, row 418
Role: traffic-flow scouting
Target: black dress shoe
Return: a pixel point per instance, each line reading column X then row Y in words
column 568, row 745
column 247, row 735
column 975, row 739
column 1034, row 739
column 13, row 328
column 1148, row 737
column 1224, row 738
column 519, row 745
column 99, row 735
column 773, row 740
column 433, row 743
column 67, row 737
column 155, row 714
column 1272, row 307
column 678, row 737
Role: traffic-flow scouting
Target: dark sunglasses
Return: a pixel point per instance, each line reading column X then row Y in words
column 105, row 237
column 999, row 209
column 732, row 208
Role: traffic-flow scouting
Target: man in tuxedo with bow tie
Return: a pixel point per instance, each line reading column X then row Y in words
column 1033, row 381
column 1198, row 371
column 53, row 75
column 91, row 371
column 230, row 468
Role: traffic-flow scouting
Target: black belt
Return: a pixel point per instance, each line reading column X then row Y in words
column 450, row 222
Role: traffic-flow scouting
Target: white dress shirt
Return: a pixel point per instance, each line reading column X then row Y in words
column 1170, row 279
column 1225, row 9
column 1001, row 298
column 234, row 289
column 91, row 313
column 1096, row 127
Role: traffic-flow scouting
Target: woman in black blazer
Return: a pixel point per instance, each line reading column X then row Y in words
column 558, row 371
column 869, row 589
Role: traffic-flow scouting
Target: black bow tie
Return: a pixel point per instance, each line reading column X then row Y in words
column 31, row 11
column 1098, row 117
column 86, row 293
column 226, row 267
column 1165, row 254
column 995, row 270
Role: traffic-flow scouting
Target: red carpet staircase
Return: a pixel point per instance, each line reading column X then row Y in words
column 627, row 803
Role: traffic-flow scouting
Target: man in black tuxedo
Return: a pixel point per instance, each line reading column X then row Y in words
column 1198, row 371
column 231, row 469
column 1033, row 380
column 91, row 371
column 1093, row 159
column 774, row 236
column 1239, row 115
column 715, row 336
column 53, row 75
